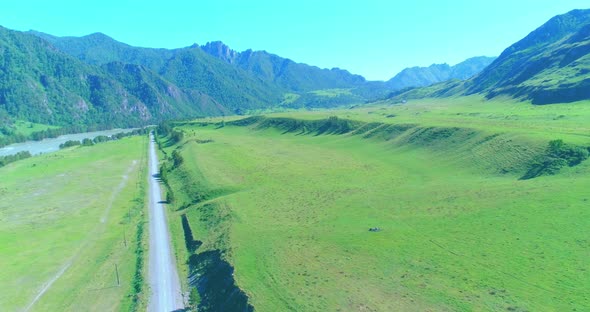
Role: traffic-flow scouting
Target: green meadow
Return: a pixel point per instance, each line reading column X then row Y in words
column 27, row 128
column 288, row 200
column 331, row 92
column 66, row 220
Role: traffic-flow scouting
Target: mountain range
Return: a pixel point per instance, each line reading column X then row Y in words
column 550, row 65
column 426, row 76
column 96, row 80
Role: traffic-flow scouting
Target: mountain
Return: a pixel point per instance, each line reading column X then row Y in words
column 435, row 73
column 40, row 83
column 190, row 68
column 550, row 65
column 99, row 49
column 168, row 100
column 237, row 80
column 289, row 75
column 95, row 79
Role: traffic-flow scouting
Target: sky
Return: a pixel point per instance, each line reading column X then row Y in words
column 373, row 38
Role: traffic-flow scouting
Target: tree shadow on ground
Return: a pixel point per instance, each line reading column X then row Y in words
column 213, row 278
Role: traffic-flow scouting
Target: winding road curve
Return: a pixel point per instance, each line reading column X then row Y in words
column 163, row 277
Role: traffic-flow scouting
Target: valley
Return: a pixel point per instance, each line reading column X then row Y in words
column 289, row 200
column 242, row 180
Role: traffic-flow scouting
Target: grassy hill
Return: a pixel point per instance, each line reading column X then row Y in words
column 288, row 200
column 550, row 65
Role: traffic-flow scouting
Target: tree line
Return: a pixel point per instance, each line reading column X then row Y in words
column 9, row 136
column 5, row 160
column 103, row 138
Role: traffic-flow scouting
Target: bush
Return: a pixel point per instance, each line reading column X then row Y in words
column 101, row 138
column 69, row 144
column 176, row 159
column 87, row 142
column 557, row 155
column 169, row 196
column 176, row 136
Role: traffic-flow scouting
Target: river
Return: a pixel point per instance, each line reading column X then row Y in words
column 52, row 144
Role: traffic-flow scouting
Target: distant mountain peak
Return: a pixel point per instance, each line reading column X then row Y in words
column 221, row 51
column 435, row 73
column 284, row 72
column 98, row 35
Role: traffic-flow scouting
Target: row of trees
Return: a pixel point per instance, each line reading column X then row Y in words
column 5, row 160
column 102, row 138
column 10, row 136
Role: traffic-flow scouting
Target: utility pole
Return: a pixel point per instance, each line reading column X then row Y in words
column 117, row 273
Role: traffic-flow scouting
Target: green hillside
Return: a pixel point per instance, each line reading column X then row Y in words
column 192, row 70
column 40, row 84
column 237, row 81
column 550, row 65
column 170, row 100
column 99, row 49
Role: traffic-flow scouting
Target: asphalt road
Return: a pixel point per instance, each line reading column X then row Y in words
column 163, row 277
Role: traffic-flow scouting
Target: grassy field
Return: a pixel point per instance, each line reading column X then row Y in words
column 331, row 92
column 568, row 121
column 459, row 231
column 66, row 219
column 26, row 128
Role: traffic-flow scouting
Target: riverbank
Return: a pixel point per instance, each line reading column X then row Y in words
column 52, row 144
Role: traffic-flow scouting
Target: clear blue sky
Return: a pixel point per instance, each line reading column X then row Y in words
column 374, row 38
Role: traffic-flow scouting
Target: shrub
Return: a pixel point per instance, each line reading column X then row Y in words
column 557, row 155
column 69, row 143
column 87, row 142
column 176, row 159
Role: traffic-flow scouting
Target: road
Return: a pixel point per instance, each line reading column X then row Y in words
column 163, row 277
